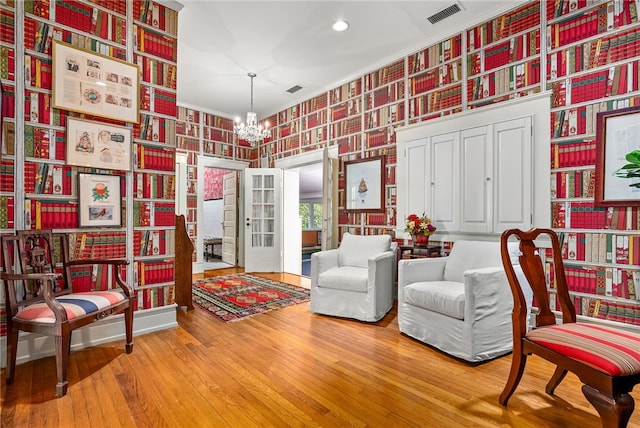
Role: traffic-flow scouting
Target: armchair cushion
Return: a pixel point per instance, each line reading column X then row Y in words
column 467, row 255
column 353, row 251
column 346, row 278
column 444, row 297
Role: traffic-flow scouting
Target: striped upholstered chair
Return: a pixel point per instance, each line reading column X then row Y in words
column 40, row 298
column 605, row 359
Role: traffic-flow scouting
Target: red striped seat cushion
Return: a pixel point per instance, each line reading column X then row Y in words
column 611, row 351
column 76, row 305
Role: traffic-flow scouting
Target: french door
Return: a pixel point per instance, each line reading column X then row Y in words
column 263, row 218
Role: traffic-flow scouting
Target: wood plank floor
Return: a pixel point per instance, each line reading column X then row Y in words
column 286, row 368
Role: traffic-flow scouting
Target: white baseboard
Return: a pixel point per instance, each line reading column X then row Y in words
column 32, row 346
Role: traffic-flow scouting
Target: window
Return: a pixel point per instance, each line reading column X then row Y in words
column 311, row 215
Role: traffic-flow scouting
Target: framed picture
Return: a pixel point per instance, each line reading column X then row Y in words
column 99, row 201
column 364, row 185
column 87, row 82
column 98, row 145
column 617, row 134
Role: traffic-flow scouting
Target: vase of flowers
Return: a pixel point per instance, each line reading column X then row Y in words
column 420, row 228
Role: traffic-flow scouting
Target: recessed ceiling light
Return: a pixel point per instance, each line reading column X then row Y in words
column 340, row 25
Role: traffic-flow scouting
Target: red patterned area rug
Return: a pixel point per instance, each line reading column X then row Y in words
column 238, row 296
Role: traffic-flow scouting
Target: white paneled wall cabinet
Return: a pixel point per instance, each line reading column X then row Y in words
column 478, row 174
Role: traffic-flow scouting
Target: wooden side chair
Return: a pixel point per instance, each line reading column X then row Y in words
column 39, row 295
column 605, row 359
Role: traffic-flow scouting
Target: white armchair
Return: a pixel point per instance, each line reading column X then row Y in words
column 460, row 304
column 354, row 280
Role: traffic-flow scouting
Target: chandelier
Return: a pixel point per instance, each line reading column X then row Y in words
column 251, row 131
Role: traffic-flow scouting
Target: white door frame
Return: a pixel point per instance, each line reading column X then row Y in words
column 211, row 162
column 297, row 161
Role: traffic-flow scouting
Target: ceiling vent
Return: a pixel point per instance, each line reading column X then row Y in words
column 444, row 13
column 294, row 89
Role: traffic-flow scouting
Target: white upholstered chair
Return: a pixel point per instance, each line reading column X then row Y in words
column 356, row 279
column 460, row 304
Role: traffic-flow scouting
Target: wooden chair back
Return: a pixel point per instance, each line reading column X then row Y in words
column 33, row 255
column 533, row 262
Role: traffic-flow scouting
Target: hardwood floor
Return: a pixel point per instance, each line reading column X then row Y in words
column 286, row 368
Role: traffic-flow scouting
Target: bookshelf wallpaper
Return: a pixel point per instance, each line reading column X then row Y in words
column 585, row 53
column 37, row 187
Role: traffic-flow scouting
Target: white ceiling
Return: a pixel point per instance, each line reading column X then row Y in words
column 291, row 43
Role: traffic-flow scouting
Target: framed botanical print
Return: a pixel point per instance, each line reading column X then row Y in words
column 99, row 200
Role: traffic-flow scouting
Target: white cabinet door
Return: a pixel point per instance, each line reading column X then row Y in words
column 418, row 178
column 444, row 209
column 476, row 173
column 513, row 183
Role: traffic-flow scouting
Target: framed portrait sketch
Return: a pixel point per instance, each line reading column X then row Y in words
column 617, row 134
column 99, row 200
column 98, row 145
column 364, row 185
column 87, row 82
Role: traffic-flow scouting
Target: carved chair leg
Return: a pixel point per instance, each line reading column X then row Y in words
column 555, row 380
column 128, row 325
column 63, row 344
column 518, row 361
column 613, row 411
column 12, row 352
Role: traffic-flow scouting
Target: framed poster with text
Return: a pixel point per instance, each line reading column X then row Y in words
column 87, row 82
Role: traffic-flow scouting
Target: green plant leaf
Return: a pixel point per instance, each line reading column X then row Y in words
column 633, row 157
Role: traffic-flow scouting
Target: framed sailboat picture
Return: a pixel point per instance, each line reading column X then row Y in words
column 364, row 185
